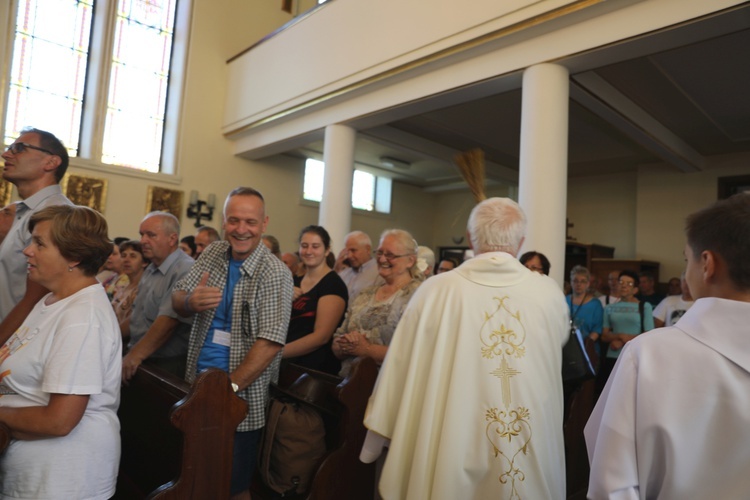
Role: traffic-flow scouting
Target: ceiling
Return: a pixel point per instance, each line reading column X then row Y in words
column 680, row 96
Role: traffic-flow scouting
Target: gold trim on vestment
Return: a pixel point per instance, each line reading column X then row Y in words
column 502, row 336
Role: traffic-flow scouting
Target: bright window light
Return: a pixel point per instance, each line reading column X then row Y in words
column 369, row 192
column 138, row 83
column 363, row 191
column 106, row 107
column 314, row 172
column 48, row 72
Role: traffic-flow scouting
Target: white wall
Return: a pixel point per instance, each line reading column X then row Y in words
column 343, row 42
column 603, row 209
column 665, row 199
column 412, row 208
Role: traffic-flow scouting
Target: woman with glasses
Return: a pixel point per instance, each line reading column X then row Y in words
column 60, row 372
column 320, row 298
column 624, row 320
column 585, row 312
column 372, row 318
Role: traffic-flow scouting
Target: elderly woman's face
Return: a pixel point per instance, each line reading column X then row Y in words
column 132, row 262
column 394, row 260
column 45, row 264
column 580, row 284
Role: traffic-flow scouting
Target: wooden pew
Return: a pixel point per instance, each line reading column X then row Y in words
column 177, row 439
column 342, row 404
column 4, row 437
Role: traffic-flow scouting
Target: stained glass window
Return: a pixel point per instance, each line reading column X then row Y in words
column 96, row 74
column 48, row 73
column 138, row 83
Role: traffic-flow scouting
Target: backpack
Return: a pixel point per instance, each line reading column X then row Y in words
column 292, row 447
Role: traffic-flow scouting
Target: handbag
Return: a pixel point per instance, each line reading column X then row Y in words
column 576, row 364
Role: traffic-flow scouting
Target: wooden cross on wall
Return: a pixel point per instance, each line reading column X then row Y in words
column 568, row 225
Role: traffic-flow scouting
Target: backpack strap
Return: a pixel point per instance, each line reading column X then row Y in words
column 640, row 310
column 275, row 410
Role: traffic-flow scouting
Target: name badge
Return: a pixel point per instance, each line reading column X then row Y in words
column 222, row 338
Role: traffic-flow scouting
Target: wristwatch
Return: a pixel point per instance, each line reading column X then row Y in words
column 235, row 387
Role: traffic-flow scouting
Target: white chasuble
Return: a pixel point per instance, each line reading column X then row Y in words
column 470, row 392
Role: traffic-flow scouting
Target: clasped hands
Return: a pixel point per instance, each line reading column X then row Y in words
column 352, row 344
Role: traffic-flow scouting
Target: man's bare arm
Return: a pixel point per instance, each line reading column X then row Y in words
column 161, row 330
column 256, row 361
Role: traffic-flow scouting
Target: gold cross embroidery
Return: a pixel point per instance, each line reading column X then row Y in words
column 504, row 373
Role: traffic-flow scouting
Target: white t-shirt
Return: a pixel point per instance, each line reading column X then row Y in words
column 671, row 309
column 73, row 346
column 612, row 300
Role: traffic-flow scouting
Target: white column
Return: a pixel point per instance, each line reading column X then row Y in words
column 336, row 207
column 543, row 176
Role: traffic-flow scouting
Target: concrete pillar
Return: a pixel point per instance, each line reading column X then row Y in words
column 543, row 176
column 336, row 206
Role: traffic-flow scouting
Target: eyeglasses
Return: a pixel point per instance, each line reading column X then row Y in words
column 20, row 147
column 580, row 282
column 626, row 284
column 389, row 256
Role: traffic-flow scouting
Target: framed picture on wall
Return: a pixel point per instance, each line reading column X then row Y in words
column 87, row 191
column 165, row 200
column 6, row 188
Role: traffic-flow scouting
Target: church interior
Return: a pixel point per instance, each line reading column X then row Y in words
column 645, row 118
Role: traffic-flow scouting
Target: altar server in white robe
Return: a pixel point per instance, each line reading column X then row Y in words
column 673, row 420
column 470, row 393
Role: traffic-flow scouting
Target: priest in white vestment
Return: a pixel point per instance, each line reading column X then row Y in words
column 673, row 420
column 470, row 392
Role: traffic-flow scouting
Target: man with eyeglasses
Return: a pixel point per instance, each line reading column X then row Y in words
column 35, row 163
column 673, row 419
